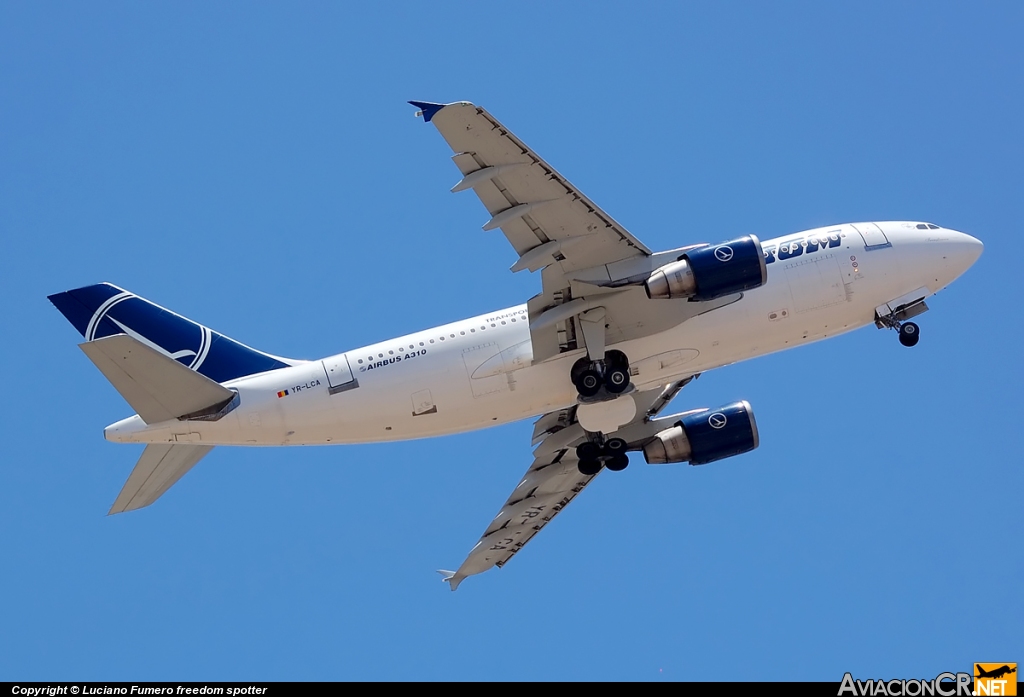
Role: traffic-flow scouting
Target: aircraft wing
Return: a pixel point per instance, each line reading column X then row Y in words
column 587, row 260
column 582, row 250
column 544, row 217
column 552, row 481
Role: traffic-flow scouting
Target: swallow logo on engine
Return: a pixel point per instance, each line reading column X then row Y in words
column 717, row 420
column 723, row 253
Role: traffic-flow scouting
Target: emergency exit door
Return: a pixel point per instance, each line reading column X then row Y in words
column 872, row 235
column 339, row 374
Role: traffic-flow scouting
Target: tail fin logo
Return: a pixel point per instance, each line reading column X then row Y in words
column 102, row 310
column 94, row 330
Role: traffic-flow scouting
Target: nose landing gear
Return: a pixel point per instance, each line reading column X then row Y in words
column 894, row 315
column 910, row 334
column 594, row 455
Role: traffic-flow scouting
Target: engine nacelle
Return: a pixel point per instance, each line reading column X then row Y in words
column 711, row 271
column 705, row 436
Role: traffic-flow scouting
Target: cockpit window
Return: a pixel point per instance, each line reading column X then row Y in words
column 922, row 226
column 932, row 227
column 927, row 226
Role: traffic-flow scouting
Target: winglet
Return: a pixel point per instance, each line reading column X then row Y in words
column 427, row 109
column 450, row 577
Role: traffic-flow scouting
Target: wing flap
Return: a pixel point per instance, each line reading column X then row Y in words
column 159, row 468
column 549, row 423
column 156, row 386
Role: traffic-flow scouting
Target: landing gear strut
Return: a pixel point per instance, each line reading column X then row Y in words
column 893, row 315
column 610, row 374
column 909, row 332
column 594, row 455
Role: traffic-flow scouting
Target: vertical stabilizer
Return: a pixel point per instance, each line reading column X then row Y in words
column 104, row 310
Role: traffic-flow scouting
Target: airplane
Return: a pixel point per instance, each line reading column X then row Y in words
column 995, row 672
column 615, row 333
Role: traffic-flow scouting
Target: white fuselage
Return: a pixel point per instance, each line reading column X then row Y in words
column 478, row 372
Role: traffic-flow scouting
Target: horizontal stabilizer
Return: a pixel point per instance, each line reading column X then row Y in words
column 156, row 386
column 156, row 471
column 452, row 578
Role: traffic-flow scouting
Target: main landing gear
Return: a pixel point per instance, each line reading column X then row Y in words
column 610, row 376
column 594, row 455
column 600, row 378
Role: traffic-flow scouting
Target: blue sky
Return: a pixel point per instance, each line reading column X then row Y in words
column 255, row 167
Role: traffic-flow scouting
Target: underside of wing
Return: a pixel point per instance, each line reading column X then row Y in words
column 587, row 259
column 548, row 221
column 545, row 218
column 552, row 481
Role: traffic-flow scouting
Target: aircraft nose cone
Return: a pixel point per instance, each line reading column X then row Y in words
column 965, row 250
column 958, row 251
column 976, row 246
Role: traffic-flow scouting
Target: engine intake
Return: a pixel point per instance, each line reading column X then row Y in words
column 705, row 436
column 711, row 271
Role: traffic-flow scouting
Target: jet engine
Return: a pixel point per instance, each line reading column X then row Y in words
column 705, row 435
column 711, row 271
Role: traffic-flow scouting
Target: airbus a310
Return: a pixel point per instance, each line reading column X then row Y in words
column 616, row 331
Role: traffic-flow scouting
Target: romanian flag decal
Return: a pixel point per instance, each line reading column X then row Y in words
column 282, row 393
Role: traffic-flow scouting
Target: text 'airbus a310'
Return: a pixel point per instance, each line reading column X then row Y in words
column 615, row 333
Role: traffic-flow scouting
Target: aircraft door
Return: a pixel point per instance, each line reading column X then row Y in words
column 872, row 235
column 339, row 374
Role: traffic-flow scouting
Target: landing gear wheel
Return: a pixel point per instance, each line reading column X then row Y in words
column 615, row 446
column 589, row 383
column 910, row 334
column 589, row 467
column 588, row 451
column 618, row 462
column 616, row 380
column 577, row 369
